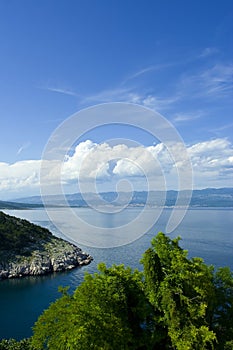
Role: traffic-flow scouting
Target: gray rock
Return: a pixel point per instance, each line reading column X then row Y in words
column 56, row 255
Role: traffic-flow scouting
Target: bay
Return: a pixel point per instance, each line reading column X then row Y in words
column 205, row 232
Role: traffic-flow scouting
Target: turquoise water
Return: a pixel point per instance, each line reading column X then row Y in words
column 207, row 233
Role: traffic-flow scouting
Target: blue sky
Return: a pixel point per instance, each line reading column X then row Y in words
column 58, row 57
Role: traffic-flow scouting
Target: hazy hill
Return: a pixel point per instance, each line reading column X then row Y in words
column 17, row 205
column 209, row 197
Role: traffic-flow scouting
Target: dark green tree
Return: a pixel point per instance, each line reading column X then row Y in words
column 107, row 311
column 222, row 317
column 181, row 291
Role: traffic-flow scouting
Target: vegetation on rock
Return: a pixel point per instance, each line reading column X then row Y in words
column 16, row 234
column 28, row 249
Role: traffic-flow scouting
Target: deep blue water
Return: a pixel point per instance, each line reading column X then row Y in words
column 205, row 232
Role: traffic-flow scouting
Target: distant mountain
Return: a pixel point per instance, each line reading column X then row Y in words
column 16, row 205
column 212, row 197
column 209, row 197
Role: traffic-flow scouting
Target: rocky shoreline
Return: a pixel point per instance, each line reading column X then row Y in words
column 46, row 257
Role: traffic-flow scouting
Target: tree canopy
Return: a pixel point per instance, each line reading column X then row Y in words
column 175, row 303
column 107, row 311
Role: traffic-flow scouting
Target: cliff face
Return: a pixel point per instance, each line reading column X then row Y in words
column 42, row 253
column 57, row 255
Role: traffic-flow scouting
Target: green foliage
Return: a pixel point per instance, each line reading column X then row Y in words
column 107, row 311
column 18, row 234
column 176, row 303
column 181, row 291
column 222, row 320
column 191, row 301
column 12, row 344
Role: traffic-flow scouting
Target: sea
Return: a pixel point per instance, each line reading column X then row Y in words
column 205, row 232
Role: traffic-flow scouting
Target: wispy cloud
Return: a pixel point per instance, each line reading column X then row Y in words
column 218, row 131
column 62, row 91
column 59, row 90
column 152, row 68
column 159, row 102
column 111, row 95
column 139, row 73
column 130, row 95
column 186, row 117
column 214, row 82
column 208, row 51
column 218, row 79
column 22, row 148
column 202, row 84
column 223, row 127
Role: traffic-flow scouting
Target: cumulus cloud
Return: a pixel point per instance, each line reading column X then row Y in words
column 18, row 177
column 98, row 161
column 89, row 159
column 210, row 160
column 215, row 155
column 212, row 163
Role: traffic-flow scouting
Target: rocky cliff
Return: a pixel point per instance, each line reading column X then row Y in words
column 40, row 254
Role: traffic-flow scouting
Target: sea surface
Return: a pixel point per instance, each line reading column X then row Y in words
column 205, row 232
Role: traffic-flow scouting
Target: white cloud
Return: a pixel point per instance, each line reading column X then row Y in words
column 158, row 103
column 212, row 163
column 18, row 177
column 215, row 154
column 210, row 160
column 60, row 90
column 140, row 72
column 91, row 160
column 152, row 68
column 186, row 117
column 209, row 147
column 129, row 95
column 218, row 79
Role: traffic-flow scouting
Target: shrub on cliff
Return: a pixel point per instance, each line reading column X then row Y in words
column 17, row 234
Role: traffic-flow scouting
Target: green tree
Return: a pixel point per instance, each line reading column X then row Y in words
column 12, row 344
column 222, row 318
column 177, row 303
column 181, row 291
column 107, row 311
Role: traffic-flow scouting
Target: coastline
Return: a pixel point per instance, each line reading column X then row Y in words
column 47, row 257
